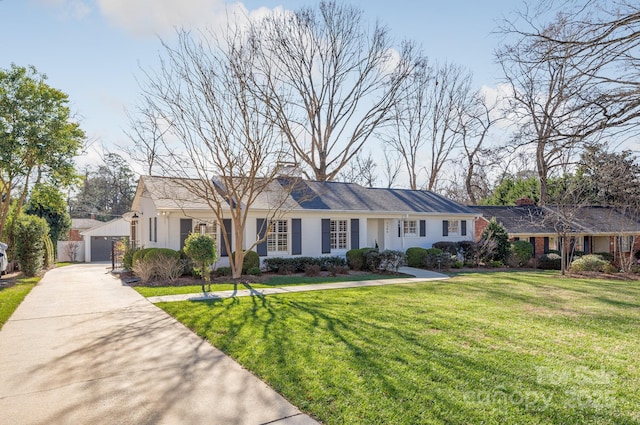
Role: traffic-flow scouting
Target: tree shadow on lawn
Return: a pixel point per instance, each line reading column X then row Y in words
column 364, row 370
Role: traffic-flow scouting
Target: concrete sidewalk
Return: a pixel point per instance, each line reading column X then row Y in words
column 83, row 349
column 421, row 276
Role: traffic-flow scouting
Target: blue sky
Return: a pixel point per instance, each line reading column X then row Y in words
column 93, row 49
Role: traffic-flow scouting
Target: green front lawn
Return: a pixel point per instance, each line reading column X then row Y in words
column 493, row 348
column 11, row 297
column 154, row 291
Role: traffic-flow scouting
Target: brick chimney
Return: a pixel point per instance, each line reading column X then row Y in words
column 525, row 200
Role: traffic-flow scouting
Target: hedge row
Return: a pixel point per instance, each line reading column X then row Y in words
column 298, row 264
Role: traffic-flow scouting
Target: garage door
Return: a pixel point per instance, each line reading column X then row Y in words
column 101, row 247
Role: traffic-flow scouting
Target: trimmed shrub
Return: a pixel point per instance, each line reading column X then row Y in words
column 30, row 235
column 391, row 260
column 550, row 261
column 437, row 260
column 251, row 260
column 326, row 262
column 519, row 253
column 139, row 254
column 496, row 264
column 607, row 256
column 355, row 259
column 312, row 270
column 298, row 264
column 457, row 264
column 163, row 253
column 445, row 246
column 49, row 252
column 336, row 270
column 223, row 271
column 372, row 259
column 415, row 256
column 588, row 263
column 254, row 271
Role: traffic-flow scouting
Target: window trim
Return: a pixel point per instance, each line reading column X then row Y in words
column 451, row 230
column 335, row 232
column 274, row 237
column 406, row 227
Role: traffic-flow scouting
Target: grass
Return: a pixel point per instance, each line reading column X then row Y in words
column 11, row 297
column 493, row 348
column 154, row 291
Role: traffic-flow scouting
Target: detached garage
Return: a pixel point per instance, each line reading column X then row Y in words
column 98, row 240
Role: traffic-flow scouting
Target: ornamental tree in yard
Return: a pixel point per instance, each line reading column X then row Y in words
column 38, row 139
column 497, row 233
column 201, row 249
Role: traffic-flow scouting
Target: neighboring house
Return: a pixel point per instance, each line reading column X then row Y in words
column 79, row 225
column 93, row 243
column 318, row 218
column 99, row 239
column 590, row 229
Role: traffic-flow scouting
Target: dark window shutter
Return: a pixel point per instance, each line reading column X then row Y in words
column 463, row 228
column 532, row 241
column 326, row 236
column 296, row 236
column 423, row 228
column 399, row 228
column 226, row 224
column 445, row 227
column 185, row 228
column 546, row 245
column 261, row 227
column 155, row 229
column 355, row 233
column 150, row 230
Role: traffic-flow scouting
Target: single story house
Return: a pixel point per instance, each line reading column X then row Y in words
column 590, row 229
column 317, row 218
column 94, row 243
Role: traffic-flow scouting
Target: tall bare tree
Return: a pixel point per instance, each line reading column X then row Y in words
column 360, row 170
column 146, row 133
column 601, row 40
column 221, row 138
column 425, row 118
column 330, row 81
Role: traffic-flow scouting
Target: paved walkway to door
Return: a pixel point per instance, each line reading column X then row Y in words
column 84, row 349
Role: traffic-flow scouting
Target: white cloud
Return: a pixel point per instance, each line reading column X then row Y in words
column 148, row 18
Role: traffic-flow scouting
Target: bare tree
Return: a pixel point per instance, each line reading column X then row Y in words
column 426, row 116
column 601, row 40
column 360, row 170
column 330, row 81
column 146, row 134
column 392, row 166
column 221, row 138
column 557, row 104
column 475, row 119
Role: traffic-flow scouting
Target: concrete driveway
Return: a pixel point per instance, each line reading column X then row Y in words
column 83, row 349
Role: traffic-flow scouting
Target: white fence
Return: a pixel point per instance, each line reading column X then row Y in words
column 71, row 251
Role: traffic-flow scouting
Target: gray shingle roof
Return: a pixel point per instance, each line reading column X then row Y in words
column 531, row 219
column 171, row 193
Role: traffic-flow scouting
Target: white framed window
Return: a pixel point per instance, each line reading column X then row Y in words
column 410, row 228
column 626, row 243
column 339, row 234
column 209, row 228
column 278, row 236
column 454, row 227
